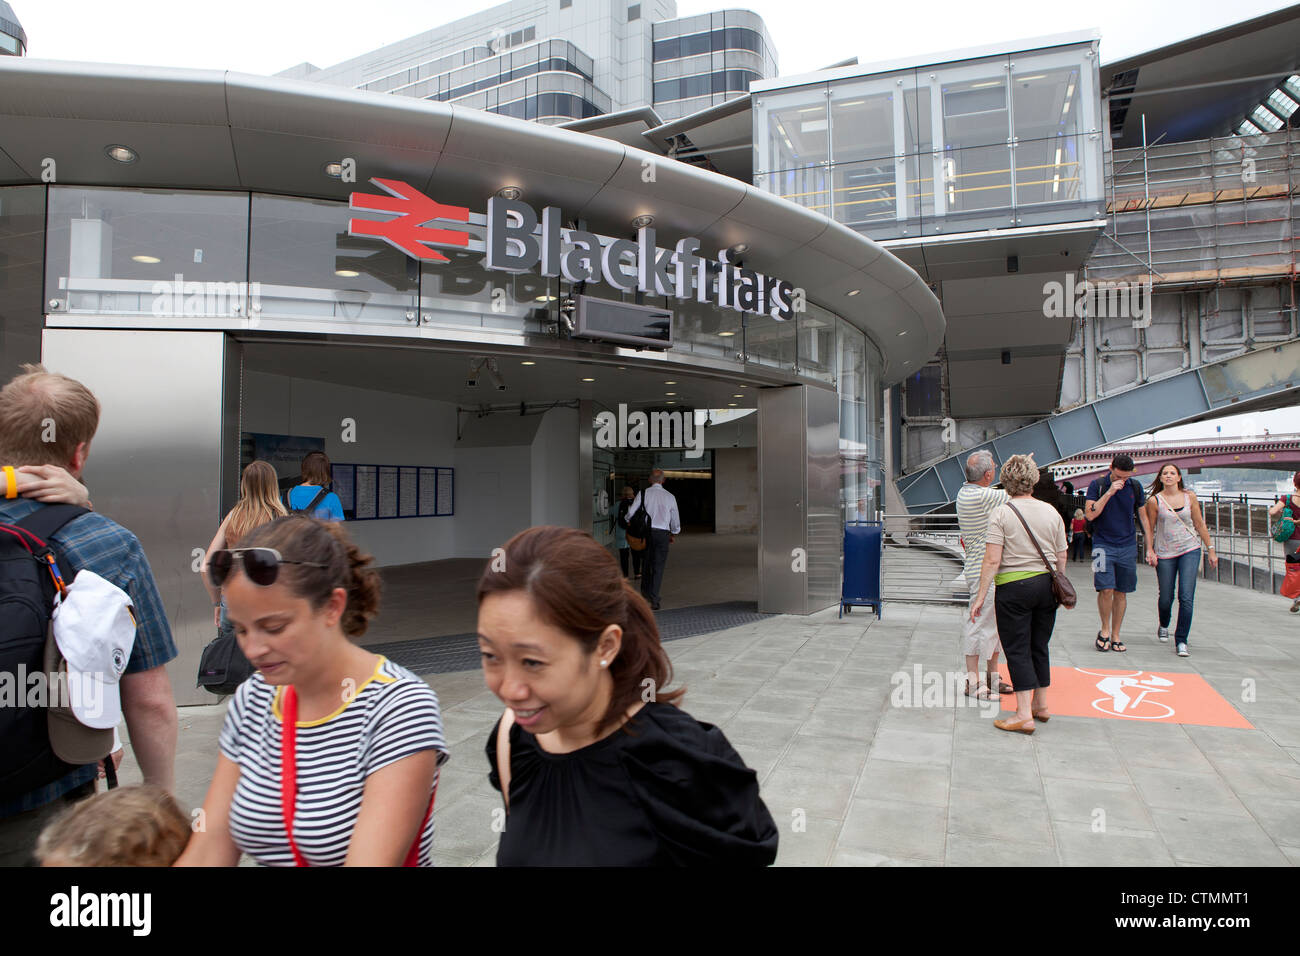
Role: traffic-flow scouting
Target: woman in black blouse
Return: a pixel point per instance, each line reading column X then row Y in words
column 600, row 767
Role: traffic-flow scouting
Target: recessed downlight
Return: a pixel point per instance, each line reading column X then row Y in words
column 723, row 335
column 122, row 154
column 852, row 292
column 333, row 170
column 589, row 380
column 670, row 393
column 527, row 363
column 148, row 260
column 902, row 333
column 347, row 273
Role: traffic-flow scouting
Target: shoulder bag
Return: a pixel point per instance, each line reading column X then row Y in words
column 289, row 780
column 1062, row 589
column 1284, row 527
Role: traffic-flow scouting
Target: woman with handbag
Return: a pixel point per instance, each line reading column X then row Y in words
column 222, row 667
column 596, row 763
column 329, row 753
column 1030, row 587
column 1177, row 532
column 1288, row 509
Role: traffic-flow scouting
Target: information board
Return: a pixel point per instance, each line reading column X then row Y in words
column 387, row 491
column 408, row 492
column 367, row 483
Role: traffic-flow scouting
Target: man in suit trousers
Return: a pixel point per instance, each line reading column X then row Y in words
column 665, row 525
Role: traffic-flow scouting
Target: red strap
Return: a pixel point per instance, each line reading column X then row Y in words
column 288, row 765
column 289, row 779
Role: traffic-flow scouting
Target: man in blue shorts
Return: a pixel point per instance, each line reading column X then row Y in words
column 1113, row 502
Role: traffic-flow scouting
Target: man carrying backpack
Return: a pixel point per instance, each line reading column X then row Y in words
column 49, row 419
column 1113, row 501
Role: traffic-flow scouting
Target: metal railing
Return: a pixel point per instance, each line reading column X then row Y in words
column 923, row 559
column 1248, row 556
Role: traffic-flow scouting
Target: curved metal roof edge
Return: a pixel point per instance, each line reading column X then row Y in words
column 828, row 241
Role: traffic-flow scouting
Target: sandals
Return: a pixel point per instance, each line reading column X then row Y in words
column 1102, row 643
column 982, row 691
column 1003, row 686
column 1118, row 646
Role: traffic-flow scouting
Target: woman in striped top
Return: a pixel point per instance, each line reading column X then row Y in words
column 358, row 737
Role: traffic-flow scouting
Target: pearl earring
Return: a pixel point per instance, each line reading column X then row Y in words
column 604, row 663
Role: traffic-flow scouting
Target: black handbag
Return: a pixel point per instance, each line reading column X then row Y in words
column 223, row 666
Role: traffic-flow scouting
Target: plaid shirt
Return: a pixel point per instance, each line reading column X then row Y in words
column 114, row 553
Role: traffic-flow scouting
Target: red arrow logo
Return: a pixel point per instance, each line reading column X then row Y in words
column 408, row 232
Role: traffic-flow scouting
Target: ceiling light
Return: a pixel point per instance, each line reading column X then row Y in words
column 739, row 249
column 670, row 383
column 641, row 222
column 670, row 403
column 986, row 85
column 527, row 363
column 123, row 154
column 151, row 260
column 810, row 109
column 333, row 170
column 347, row 273
column 738, row 395
column 1264, row 118
column 1036, row 76
column 853, row 292
column 545, row 298
column 902, row 333
column 510, row 192
column 1292, row 86
column 670, row 393
column 723, row 335
column 589, row 380
column 731, row 404
column 744, row 386
column 851, row 103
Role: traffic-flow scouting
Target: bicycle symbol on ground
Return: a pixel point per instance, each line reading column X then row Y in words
column 1128, row 695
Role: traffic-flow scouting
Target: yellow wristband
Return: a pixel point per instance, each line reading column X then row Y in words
column 11, row 482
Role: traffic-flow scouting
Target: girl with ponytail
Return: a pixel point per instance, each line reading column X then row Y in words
column 329, row 754
column 596, row 763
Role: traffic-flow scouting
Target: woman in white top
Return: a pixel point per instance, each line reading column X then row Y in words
column 1178, row 529
column 329, row 754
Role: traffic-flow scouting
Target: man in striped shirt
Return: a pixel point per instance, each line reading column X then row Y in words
column 975, row 502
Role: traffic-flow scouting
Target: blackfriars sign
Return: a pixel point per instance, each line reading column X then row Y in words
column 516, row 244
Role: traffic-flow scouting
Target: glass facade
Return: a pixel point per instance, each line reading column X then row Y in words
column 977, row 144
column 152, row 256
column 705, row 60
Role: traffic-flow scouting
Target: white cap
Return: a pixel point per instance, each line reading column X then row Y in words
column 94, row 629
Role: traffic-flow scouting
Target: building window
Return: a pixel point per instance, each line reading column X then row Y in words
column 634, row 12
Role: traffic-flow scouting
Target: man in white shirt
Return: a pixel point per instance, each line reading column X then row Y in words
column 975, row 502
column 665, row 525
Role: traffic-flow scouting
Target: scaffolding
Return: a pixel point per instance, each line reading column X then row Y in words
column 1202, row 213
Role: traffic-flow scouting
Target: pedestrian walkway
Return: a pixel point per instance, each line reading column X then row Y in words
column 854, row 776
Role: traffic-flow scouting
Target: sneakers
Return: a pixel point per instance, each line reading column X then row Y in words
column 1163, row 634
column 1182, row 650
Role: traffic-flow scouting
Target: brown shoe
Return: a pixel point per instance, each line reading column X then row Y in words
column 1042, row 715
column 1016, row 726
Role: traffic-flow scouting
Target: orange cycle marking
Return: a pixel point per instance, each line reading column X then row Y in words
column 1149, row 696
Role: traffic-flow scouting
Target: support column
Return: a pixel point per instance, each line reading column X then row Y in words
column 165, row 460
column 799, row 529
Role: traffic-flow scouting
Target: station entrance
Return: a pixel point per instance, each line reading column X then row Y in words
column 441, row 455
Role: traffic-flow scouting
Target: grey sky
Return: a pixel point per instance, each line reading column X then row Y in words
column 265, row 36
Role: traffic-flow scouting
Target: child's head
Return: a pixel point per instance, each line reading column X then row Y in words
column 127, row 826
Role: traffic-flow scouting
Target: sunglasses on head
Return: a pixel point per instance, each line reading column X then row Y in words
column 261, row 565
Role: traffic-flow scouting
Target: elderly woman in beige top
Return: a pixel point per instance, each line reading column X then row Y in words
column 1023, row 599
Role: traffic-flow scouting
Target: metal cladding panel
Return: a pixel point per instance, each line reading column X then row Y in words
column 1035, row 439
column 825, row 541
column 953, row 475
column 1250, row 376
column 782, row 474
column 925, row 493
column 156, row 461
column 684, row 202
column 1150, row 406
column 1076, row 431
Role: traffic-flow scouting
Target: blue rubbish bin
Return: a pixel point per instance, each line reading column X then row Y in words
column 863, row 546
